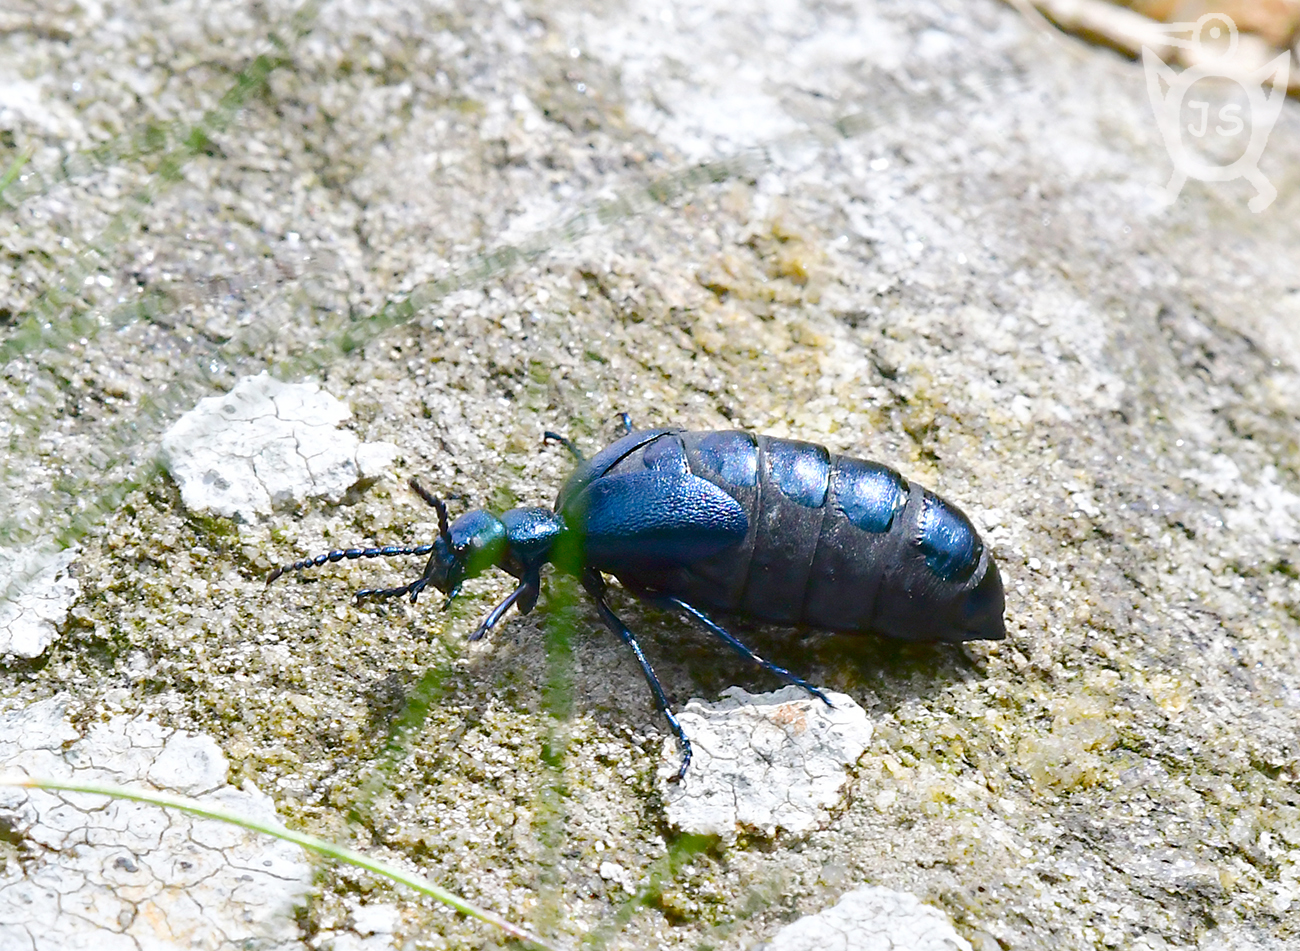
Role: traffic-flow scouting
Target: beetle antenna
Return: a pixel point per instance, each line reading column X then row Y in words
column 339, row 554
column 444, row 524
column 564, row 441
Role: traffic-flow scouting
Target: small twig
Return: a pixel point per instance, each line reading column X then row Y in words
column 1128, row 31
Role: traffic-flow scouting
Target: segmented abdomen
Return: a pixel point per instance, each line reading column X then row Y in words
column 833, row 542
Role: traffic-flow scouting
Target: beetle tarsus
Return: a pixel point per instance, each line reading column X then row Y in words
column 686, row 753
column 452, row 595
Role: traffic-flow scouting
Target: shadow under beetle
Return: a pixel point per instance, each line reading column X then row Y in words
column 773, row 530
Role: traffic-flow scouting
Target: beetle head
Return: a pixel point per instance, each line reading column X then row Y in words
column 465, row 548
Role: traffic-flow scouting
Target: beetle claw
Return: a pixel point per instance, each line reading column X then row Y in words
column 686, row 761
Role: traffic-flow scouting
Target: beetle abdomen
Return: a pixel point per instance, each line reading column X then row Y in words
column 832, row 542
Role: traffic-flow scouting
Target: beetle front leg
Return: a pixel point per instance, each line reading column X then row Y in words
column 595, row 586
column 732, row 641
column 527, row 591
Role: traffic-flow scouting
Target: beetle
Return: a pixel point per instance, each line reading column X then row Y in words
column 773, row 530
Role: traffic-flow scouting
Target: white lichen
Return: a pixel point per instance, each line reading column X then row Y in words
column 36, row 590
column 114, row 874
column 267, row 445
column 762, row 762
column 871, row 918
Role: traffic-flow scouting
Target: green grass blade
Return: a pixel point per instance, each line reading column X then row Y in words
column 311, row 842
column 14, row 169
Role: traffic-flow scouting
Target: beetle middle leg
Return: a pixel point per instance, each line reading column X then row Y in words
column 567, row 443
column 564, row 441
column 595, row 586
column 732, row 641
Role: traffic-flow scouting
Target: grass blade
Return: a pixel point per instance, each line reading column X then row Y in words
column 310, row 842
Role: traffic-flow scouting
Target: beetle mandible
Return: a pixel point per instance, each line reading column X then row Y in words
column 770, row 529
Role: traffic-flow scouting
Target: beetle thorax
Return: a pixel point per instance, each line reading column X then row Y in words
column 532, row 536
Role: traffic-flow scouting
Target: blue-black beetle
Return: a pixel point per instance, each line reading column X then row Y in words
column 769, row 529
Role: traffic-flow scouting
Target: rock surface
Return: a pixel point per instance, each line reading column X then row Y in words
column 925, row 234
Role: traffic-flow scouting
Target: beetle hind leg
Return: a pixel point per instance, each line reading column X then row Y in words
column 734, row 643
column 595, row 586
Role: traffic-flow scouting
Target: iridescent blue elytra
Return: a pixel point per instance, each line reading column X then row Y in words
column 729, row 523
